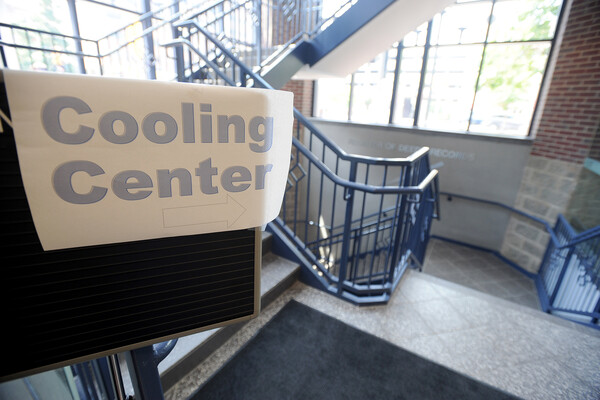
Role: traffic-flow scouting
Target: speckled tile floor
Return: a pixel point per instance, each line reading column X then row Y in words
column 510, row 346
column 479, row 270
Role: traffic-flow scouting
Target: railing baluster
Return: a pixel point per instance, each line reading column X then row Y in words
column 332, row 223
column 358, row 236
column 297, row 188
column 377, row 230
column 335, row 248
column 320, row 213
column 349, row 198
column 307, row 202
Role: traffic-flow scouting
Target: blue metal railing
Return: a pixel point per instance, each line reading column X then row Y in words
column 358, row 221
column 102, row 378
column 258, row 30
column 569, row 277
column 568, row 280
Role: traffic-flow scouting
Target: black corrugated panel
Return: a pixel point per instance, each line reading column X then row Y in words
column 66, row 304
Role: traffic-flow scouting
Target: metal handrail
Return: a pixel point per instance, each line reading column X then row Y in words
column 563, row 260
column 5, row 25
column 419, row 189
column 237, row 5
column 362, row 258
column 70, row 53
column 306, row 22
column 306, row 152
column 263, row 83
column 578, row 238
column 141, row 17
column 369, row 252
column 294, row 40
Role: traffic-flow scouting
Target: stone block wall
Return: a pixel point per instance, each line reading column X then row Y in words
column 545, row 192
column 568, row 127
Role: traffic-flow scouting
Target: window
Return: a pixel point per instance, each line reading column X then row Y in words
column 372, row 89
column 477, row 66
column 407, row 89
column 449, row 87
column 333, row 98
column 510, row 79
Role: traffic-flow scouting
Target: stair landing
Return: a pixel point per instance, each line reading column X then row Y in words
column 479, row 270
column 513, row 347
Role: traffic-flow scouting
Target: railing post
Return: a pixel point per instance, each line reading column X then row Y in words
column 544, row 265
column 144, row 373
column 596, row 310
column 99, row 58
column 563, row 271
column 349, row 198
column 75, row 25
column 149, row 42
column 3, row 56
column 179, row 63
column 400, row 225
column 258, row 31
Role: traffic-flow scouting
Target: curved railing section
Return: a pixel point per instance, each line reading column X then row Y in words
column 358, row 221
column 568, row 280
column 569, row 277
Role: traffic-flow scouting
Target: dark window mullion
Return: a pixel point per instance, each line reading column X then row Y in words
column 396, row 80
column 350, row 97
column 423, row 73
column 485, row 43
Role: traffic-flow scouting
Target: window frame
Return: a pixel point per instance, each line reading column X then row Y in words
column 426, row 55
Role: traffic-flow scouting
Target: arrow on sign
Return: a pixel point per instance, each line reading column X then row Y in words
column 227, row 212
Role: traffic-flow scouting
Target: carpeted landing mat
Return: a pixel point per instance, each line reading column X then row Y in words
column 304, row 354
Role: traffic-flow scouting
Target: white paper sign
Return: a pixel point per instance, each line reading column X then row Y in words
column 109, row 160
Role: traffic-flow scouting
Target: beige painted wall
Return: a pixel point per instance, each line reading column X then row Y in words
column 484, row 167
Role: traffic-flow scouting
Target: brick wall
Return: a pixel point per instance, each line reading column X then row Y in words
column 303, row 100
column 571, row 114
column 303, row 95
column 566, row 134
column 595, row 149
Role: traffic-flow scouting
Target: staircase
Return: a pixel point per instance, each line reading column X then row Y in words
column 354, row 223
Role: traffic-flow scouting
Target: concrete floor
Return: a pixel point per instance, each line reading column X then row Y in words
column 508, row 345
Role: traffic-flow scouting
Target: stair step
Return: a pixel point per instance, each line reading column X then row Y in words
column 277, row 274
column 267, row 242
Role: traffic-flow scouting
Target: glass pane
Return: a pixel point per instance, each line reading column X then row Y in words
column 332, row 99
column 330, row 7
column 582, row 211
column 524, row 20
column 508, row 87
column 372, row 92
column 44, row 15
column 408, row 85
column 416, row 37
column 96, row 21
column 449, row 87
column 132, row 5
column 462, row 23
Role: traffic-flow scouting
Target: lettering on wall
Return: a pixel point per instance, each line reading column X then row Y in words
column 409, row 149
